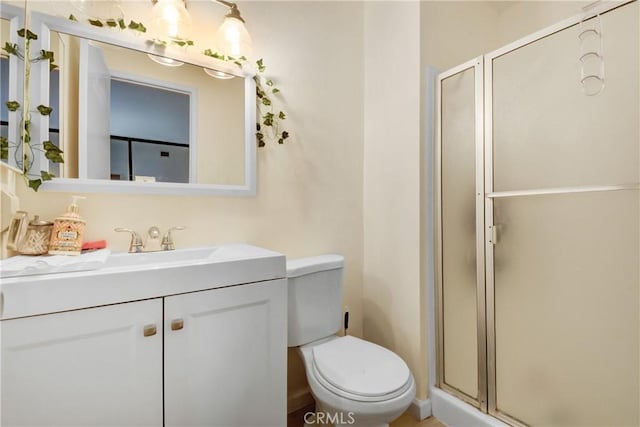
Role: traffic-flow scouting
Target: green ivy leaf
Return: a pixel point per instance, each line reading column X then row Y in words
column 28, row 34
column 46, row 176
column 44, row 110
column 269, row 82
column 11, row 49
column 47, row 54
column 137, row 26
column 73, row 18
column 215, row 55
column 260, row 138
column 260, row 64
column 267, row 119
column 266, row 101
column 183, row 43
column 285, row 134
column 50, row 146
column 35, row 184
column 12, row 105
column 54, row 157
column 281, row 115
column 275, row 90
column 238, row 63
column 96, row 22
column 4, row 148
column 112, row 23
column 121, row 24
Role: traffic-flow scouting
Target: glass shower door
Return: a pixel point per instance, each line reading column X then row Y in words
column 563, row 256
column 462, row 343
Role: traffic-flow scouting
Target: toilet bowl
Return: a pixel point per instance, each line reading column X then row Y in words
column 353, row 381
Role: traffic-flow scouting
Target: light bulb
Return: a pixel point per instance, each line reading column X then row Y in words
column 169, row 18
column 232, row 38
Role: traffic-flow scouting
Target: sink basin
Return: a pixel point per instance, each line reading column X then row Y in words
column 118, row 260
column 125, row 277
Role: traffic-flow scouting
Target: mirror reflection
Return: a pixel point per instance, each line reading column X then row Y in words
column 11, row 69
column 123, row 116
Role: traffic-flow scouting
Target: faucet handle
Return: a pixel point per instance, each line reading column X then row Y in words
column 154, row 232
column 167, row 239
column 136, row 244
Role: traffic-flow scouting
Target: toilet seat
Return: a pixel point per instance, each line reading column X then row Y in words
column 359, row 370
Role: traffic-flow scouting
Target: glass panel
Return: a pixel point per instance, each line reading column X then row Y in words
column 459, row 233
column 566, row 308
column 547, row 132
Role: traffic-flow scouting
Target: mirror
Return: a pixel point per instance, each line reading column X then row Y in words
column 129, row 124
column 11, row 78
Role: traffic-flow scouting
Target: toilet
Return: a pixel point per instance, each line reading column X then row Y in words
column 354, row 382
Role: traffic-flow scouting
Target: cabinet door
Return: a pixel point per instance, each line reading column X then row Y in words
column 225, row 356
column 91, row 367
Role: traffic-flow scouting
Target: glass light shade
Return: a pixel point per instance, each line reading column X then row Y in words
column 167, row 62
column 87, row 9
column 218, row 74
column 169, row 18
column 232, row 38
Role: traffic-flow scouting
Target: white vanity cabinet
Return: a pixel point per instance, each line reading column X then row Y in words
column 91, row 367
column 217, row 357
column 225, row 356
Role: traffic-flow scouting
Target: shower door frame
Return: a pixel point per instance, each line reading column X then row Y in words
column 485, row 232
column 481, row 401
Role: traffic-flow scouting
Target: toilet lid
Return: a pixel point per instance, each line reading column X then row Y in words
column 361, row 368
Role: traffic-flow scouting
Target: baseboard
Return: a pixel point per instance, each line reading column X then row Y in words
column 300, row 399
column 420, row 409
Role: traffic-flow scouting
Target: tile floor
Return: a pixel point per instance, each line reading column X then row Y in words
column 296, row 419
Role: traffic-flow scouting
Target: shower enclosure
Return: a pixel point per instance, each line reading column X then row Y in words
column 538, row 225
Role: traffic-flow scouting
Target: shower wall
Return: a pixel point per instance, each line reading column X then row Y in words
column 559, row 179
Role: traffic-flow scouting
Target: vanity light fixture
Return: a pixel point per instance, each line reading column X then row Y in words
column 232, row 38
column 170, row 18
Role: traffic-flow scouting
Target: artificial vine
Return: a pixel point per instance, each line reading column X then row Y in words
column 50, row 150
column 265, row 89
column 268, row 120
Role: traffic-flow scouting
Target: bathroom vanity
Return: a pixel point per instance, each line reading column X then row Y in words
column 193, row 337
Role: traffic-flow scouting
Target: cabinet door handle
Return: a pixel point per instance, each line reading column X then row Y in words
column 177, row 324
column 149, row 330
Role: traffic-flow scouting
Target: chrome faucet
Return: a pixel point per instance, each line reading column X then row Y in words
column 167, row 239
column 153, row 243
column 136, row 244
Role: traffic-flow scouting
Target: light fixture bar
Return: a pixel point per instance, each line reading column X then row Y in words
column 234, row 12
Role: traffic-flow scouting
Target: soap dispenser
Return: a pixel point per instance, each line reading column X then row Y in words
column 68, row 231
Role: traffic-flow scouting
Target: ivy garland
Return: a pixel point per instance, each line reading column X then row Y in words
column 50, row 150
column 265, row 88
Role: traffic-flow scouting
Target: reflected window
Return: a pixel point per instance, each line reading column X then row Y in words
column 159, row 149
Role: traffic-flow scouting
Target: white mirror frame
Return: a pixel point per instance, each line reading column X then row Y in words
column 42, row 24
column 15, row 16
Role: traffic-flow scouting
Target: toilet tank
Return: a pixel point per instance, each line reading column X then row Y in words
column 315, row 297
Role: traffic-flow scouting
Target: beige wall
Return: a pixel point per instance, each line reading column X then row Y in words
column 391, row 291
